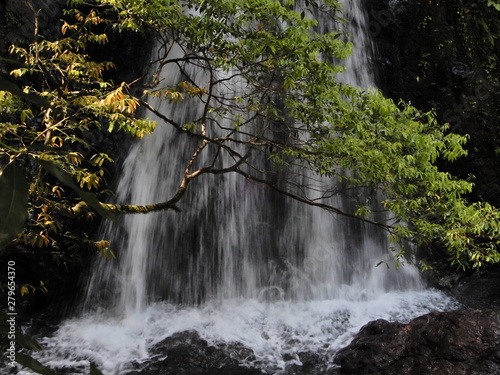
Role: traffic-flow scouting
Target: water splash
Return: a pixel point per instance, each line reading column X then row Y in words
column 239, row 264
column 275, row 331
column 234, row 239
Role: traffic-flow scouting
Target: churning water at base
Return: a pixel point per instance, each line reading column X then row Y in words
column 275, row 331
column 238, row 264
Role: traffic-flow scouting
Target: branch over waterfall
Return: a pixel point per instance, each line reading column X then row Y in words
column 271, row 105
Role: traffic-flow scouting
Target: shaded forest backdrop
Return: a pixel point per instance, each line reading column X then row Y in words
column 440, row 55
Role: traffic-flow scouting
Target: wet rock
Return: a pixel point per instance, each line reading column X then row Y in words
column 17, row 20
column 479, row 290
column 310, row 364
column 186, row 353
column 462, row 342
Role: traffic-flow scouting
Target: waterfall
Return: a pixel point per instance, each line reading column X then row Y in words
column 234, row 239
column 239, row 263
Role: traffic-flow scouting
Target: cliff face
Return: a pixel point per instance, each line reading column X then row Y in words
column 17, row 20
column 445, row 55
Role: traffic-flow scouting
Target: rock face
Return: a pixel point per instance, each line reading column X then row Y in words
column 462, row 342
column 187, row 353
column 479, row 290
column 17, row 20
column 436, row 54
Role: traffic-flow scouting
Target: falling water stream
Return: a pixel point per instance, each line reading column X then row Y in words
column 238, row 264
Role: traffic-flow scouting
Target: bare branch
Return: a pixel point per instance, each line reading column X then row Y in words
column 311, row 202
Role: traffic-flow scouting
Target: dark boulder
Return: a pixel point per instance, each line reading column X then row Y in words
column 186, row 353
column 310, row 364
column 462, row 342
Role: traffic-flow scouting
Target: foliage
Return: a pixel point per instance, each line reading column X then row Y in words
column 494, row 4
column 294, row 105
column 398, row 154
column 53, row 94
column 291, row 109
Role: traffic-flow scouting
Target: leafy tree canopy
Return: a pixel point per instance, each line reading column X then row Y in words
column 291, row 110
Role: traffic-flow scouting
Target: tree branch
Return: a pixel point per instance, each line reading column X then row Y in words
column 311, row 202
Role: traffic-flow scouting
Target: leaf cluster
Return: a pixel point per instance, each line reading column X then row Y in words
column 269, row 90
column 273, row 89
column 53, row 94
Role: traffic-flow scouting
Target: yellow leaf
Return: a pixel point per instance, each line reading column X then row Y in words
column 75, row 157
column 102, row 244
column 17, row 73
column 24, row 290
column 57, row 190
column 57, row 142
column 66, row 26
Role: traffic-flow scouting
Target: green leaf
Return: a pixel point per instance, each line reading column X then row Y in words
column 94, row 370
column 28, row 342
column 31, row 363
column 494, row 4
column 25, row 341
column 13, row 202
column 67, row 179
column 16, row 90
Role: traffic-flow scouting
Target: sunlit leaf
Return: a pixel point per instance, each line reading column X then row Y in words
column 67, row 179
column 16, row 90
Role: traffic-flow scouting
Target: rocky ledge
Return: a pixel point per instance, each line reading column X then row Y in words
column 462, row 342
column 186, row 353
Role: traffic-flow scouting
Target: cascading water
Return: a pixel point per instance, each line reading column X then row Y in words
column 238, row 264
column 234, row 239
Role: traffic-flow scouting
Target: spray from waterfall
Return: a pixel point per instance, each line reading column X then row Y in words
column 239, row 263
column 234, row 239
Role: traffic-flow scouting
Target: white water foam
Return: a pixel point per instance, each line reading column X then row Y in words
column 328, row 267
column 276, row 331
